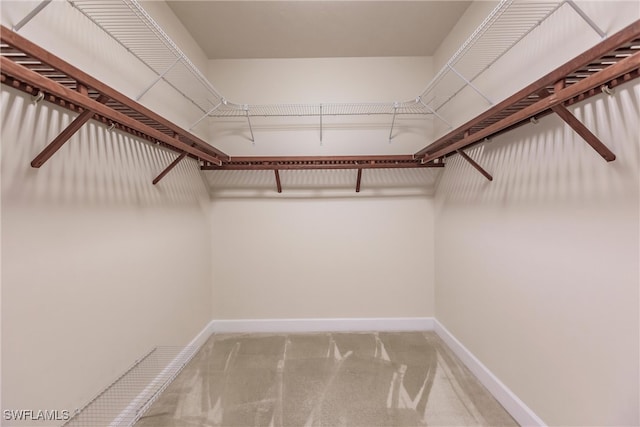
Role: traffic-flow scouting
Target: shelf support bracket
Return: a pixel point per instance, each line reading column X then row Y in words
column 246, row 111
column 475, row 165
column 586, row 18
column 468, row 83
column 30, row 15
column 358, row 181
column 66, row 134
column 168, row 168
column 579, row 127
column 442, row 119
column 278, row 183
column 393, row 121
column 320, row 124
column 160, row 77
column 205, row 116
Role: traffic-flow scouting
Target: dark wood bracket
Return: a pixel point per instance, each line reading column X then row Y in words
column 67, row 133
column 475, row 165
column 278, row 184
column 172, row 165
column 578, row 126
column 359, row 179
column 168, row 168
column 584, row 132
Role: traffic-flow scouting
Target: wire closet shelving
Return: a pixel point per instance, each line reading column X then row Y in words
column 123, row 402
column 126, row 399
column 131, row 26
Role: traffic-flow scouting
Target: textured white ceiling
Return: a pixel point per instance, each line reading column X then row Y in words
column 318, row 29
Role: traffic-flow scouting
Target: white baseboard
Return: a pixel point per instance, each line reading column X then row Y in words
column 202, row 336
column 323, row 325
column 516, row 407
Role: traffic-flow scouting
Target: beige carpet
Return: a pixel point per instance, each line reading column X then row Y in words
column 326, row 379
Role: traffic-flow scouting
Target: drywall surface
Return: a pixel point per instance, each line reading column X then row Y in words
column 321, row 81
column 340, row 257
column 323, row 183
column 98, row 265
column 537, row 271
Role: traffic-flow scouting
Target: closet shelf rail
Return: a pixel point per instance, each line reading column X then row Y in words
column 131, row 26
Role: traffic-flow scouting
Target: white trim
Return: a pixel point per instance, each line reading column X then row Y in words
column 516, row 407
column 201, row 338
column 324, row 325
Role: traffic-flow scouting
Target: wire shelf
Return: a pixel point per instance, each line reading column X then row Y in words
column 132, row 27
column 126, row 399
column 506, row 25
column 128, row 23
column 304, row 110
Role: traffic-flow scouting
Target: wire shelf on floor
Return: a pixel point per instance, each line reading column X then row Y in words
column 126, row 399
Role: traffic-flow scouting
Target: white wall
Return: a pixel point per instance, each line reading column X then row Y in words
column 315, row 257
column 537, row 271
column 98, row 265
column 319, row 249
